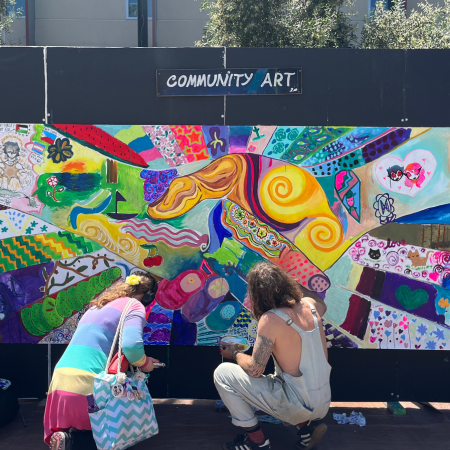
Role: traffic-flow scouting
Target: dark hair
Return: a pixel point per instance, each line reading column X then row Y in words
column 122, row 289
column 270, row 287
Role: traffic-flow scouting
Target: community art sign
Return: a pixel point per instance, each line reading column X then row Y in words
column 199, row 82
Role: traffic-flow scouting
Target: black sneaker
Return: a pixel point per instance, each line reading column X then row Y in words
column 310, row 435
column 242, row 442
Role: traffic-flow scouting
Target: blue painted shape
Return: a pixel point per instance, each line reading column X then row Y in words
column 183, row 332
column 113, row 129
column 431, row 216
column 216, row 229
column 83, row 210
column 223, row 315
column 141, row 144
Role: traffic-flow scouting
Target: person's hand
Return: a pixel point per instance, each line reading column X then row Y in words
column 227, row 350
column 149, row 366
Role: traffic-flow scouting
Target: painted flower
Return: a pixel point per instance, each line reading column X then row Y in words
column 60, row 151
column 262, row 233
column 252, row 148
column 52, row 181
column 278, row 148
column 239, row 214
column 280, row 134
column 133, row 280
column 431, row 345
column 444, row 303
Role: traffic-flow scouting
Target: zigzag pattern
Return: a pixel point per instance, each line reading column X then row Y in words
column 14, row 254
column 34, row 242
column 78, row 243
column 27, row 251
column 121, row 423
column 58, row 246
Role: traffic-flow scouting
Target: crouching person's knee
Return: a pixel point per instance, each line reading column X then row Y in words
column 223, row 374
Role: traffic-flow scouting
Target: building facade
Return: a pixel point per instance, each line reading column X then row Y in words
column 113, row 23
column 106, row 23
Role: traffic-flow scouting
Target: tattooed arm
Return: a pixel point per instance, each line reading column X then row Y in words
column 256, row 364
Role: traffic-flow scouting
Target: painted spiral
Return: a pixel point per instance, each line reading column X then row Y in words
column 392, row 258
column 324, row 233
column 288, row 194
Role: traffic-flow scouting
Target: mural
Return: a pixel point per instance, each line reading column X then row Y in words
column 360, row 216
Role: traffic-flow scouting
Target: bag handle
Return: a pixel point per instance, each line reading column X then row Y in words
column 118, row 336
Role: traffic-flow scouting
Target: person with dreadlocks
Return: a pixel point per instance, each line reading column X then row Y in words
column 298, row 393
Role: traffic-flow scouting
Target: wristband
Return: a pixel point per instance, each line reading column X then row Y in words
column 235, row 353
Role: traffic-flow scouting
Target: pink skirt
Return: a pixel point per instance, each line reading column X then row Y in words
column 63, row 411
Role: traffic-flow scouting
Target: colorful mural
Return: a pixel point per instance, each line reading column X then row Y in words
column 345, row 211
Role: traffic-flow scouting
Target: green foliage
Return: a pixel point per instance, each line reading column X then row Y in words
column 323, row 23
column 243, row 23
column 277, row 23
column 6, row 19
column 428, row 27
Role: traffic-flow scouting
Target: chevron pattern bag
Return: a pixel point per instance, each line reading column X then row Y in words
column 126, row 415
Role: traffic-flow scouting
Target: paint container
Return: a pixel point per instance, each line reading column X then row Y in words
column 239, row 343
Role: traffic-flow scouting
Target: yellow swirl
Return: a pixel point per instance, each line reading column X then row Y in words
column 289, row 193
column 121, row 244
column 324, row 233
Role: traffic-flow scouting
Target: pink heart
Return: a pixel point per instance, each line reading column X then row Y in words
column 401, row 342
column 373, row 339
column 380, row 309
column 434, row 276
column 371, row 323
column 395, row 325
column 404, row 187
column 405, row 326
column 401, row 323
column 406, row 345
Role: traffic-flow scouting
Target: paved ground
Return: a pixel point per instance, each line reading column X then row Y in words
column 190, row 425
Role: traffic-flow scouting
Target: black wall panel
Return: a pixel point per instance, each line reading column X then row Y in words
column 22, row 85
column 118, row 86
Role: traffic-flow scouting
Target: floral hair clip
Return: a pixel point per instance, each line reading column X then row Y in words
column 133, row 280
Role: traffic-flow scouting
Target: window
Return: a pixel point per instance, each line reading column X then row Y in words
column 18, row 9
column 132, row 9
column 387, row 4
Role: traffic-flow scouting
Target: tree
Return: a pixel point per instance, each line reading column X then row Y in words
column 277, row 23
column 318, row 24
column 428, row 27
column 8, row 13
column 243, row 23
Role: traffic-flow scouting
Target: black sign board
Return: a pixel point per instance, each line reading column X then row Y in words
column 208, row 82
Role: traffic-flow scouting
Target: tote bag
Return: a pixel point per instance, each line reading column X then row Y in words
column 126, row 415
